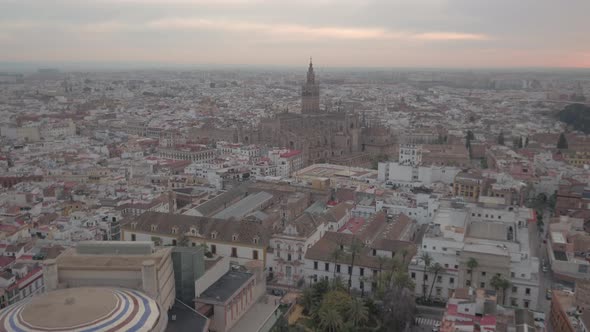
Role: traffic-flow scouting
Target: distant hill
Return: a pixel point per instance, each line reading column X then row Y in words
column 577, row 116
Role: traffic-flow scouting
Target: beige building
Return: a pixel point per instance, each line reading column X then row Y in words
column 138, row 266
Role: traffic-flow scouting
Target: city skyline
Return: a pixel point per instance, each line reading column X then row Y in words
column 428, row 33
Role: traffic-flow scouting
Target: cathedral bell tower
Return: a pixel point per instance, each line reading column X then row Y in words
column 310, row 93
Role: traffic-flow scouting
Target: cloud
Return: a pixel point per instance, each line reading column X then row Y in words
column 450, row 36
column 295, row 31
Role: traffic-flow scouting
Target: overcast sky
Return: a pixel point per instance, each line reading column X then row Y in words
column 387, row 33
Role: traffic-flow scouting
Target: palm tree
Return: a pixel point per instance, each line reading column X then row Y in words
column 402, row 279
column 472, row 264
column 335, row 255
column 394, row 265
column 308, row 299
column 382, row 260
column 505, row 285
column 498, row 282
column 330, row 319
column 436, row 269
column 358, row 312
column 404, row 255
column 427, row 259
column 355, row 249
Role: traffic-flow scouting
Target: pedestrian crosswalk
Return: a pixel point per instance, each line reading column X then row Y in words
column 427, row 321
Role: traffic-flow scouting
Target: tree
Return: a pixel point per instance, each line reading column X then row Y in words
column 329, row 319
column 498, row 282
column 484, row 163
column 338, row 299
column 427, row 260
column 382, row 260
column 183, row 240
column 404, row 255
column 398, row 309
column 355, row 249
column 357, row 312
column 562, row 142
column 394, row 266
column 501, row 138
column 336, row 255
column 472, row 264
column 402, row 279
column 436, row 269
column 468, row 138
column 308, row 300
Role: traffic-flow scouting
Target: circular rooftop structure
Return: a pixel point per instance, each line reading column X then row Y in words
column 82, row 309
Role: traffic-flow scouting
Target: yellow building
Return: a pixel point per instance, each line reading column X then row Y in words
column 578, row 158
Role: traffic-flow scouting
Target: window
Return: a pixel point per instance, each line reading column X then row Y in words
column 426, row 277
column 362, row 271
column 327, row 266
column 483, row 274
column 514, row 289
column 154, row 228
column 457, row 266
column 289, row 257
column 174, row 242
column 527, row 291
column 446, row 266
column 362, row 285
column 213, row 249
column 413, row 275
column 444, row 249
column 467, row 283
column 193, row 244
column 512, row 274
column 350, row 270
column 315, row 265
column 482, row 285
column 374, row 252
column 214, row 235
column 234, row 252
column 133, row 237
column 526, row 304
column 513, row 302
column 174, row 230
column 234, row 237
column 439, row 279
column 255, row 240
column 193, row 231
column 255, row 254
column 338, row 268
column 451, row 280
column 438, row 291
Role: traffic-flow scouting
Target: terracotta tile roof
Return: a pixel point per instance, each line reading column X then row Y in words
column 246, row 230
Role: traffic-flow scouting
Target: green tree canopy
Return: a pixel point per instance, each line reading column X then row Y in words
column 562, row 142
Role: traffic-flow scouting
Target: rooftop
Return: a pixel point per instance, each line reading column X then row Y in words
column 223, row 289
column 95, row 308
column 244, row 206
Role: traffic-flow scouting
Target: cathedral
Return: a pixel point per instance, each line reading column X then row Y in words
column 324, row 136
